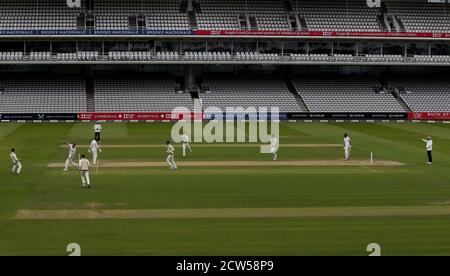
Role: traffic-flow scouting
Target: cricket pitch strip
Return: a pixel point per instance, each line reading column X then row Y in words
column 300, row 163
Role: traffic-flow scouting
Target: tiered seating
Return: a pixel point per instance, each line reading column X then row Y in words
column 220, row 15
column 424, row 95
column 343, row 58
column 338, row 15
column 139, row 95
column 250, row 56
column 311, row 57
column 432, row 59
column 33, row 15
column 130, row 56
column 208, row 56
column 267, row 15
column 160, row 14
column 421, row 16
column 340, row 94
column 11, row 56
column 385, row 58
column 40, row 56
column 270, row 15
column 67, row 56
column 245, row 92
column 167, row 56
column 88, row 56
column 111, row 22
column 43, row 96
column 224, row 15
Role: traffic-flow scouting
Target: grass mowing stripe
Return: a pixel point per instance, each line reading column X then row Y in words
column 233, row 213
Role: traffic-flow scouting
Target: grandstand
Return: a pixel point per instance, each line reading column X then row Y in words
column 340, row 15
column 42, row 96
column 354, row 94
column 37, row 15
column 265, row 15
column 139, row 95
column 159, row 15
column 249, row 92
column 423, row 94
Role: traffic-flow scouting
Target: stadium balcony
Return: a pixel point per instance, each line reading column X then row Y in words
column 212, row 57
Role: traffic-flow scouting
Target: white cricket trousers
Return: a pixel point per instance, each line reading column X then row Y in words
column 347, row 151
column 274, row 151
column 17, row 168
column 94, row 157
column 186, row 146
column 85, row 180
column 171, row 161
column 69, row 162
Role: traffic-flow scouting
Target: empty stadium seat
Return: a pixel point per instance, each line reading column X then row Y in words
column 340, row 94
column 424, row 95
column 139, row 95
column 245, row 92
column 43, row 96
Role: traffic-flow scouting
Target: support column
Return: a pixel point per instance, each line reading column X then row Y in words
column 190, row 7
column 189, row 77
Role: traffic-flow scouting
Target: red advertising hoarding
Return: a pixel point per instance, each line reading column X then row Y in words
column 429, row 116
column 322, row 34
column 138, row 116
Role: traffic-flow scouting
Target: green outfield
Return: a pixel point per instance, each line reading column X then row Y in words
column 228, row 199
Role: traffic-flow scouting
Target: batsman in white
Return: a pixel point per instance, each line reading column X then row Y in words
column 17, row 166
column 347, row 146
column 94, row 148
column 83, row 167
column 72, row 152
column 171, row 156
column 186, row 146
column 274, row 147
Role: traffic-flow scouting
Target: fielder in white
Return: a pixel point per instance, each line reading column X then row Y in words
column 97, row 132
column 171, row 156
column 83, row 167
column 72, row 153
column 186, row 146
column 274, row 146
column 347, row 146
column 94, row 148
column 17, row 166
